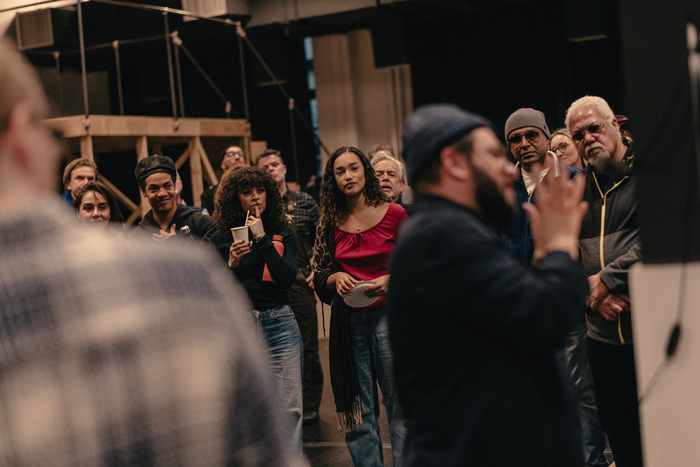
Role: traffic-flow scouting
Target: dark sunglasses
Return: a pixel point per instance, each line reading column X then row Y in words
column 531, row 135
column 593, row 129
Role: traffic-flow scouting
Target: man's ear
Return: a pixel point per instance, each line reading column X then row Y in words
column 455, row 163
column 18, row 134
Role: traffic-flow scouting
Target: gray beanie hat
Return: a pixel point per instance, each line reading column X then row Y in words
column 154, row 164
column 432, row 127
column 522, row 118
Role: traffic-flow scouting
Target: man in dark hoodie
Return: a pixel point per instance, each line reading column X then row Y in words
column 156, row 176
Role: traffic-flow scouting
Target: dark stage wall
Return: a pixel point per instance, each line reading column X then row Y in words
column 498, row 60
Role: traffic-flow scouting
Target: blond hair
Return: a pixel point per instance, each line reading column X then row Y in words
column 19, row 82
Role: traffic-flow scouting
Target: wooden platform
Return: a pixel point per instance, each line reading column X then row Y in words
column 147, row 135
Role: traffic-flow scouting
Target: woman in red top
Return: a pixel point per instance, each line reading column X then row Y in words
column 354, row 239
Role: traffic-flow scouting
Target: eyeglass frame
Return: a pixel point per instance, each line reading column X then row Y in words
column 561, row 147
column 532, row 140
column 582, row 133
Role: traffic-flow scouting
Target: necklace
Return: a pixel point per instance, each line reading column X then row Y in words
column 358, row 224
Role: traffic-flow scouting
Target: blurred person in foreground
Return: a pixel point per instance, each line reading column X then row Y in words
column 476, row 335
column 114, row 356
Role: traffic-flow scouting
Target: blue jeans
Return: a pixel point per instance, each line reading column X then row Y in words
column 370, row 344
column 591, row 430
column 278, row 328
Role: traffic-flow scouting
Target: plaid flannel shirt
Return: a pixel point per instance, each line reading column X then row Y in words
column 304, row 212
column 123, row 352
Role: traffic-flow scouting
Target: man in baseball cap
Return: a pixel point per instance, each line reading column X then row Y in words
column 475, row 334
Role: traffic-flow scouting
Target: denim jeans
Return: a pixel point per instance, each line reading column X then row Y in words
column 591, row 430
column 278, row 328
column 370, row 342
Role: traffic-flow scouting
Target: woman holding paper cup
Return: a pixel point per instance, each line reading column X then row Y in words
column 265, row 263
column 354, row 239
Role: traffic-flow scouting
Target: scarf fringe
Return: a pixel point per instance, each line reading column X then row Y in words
column 350, row 419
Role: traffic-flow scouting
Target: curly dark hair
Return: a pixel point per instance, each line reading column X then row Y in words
column 99, row 187
column 228, row 211
column 333, row 203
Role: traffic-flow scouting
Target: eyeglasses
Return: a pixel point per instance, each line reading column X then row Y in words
column 234, row 153
column 531, row 135
column 593, row 129
column 562, row 147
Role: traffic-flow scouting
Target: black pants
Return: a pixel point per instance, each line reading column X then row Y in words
column 614, row 378
column 304, row 307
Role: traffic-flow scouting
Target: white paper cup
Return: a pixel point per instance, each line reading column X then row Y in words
column 240, row 233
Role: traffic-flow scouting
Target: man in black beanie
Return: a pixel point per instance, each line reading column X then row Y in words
column 156, row 176
column 475, row 333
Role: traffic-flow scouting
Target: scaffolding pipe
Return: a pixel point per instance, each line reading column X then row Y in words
column 295, row 156
column 86, row 123
column 204, row 74
column 57, row 58
column 117, row 62
column 240, row 32
column 177, row 42
column 285, row 94
column 176, row 124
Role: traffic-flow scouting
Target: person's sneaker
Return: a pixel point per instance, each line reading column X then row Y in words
column 310, row 417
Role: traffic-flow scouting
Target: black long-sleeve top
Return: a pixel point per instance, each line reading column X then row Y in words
column 283, row 269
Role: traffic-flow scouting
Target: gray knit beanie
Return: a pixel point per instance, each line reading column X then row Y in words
column 522, row 118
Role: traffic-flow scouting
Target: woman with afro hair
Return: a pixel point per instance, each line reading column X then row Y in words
column 248, row 196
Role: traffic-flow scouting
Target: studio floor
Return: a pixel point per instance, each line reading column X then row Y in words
column 324, row 443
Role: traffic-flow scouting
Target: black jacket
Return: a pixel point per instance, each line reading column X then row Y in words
column 201, row 226
column 476, row 338
column 612, row 208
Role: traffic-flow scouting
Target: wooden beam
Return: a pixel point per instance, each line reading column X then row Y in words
column 86, row 148
column 196, row 155
column 256, row 147
column 112, row 133
column 183, row 157
column 209, row 173
column 141, row 153
column 132, row 218
column 122, row 125
column 121, row 196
